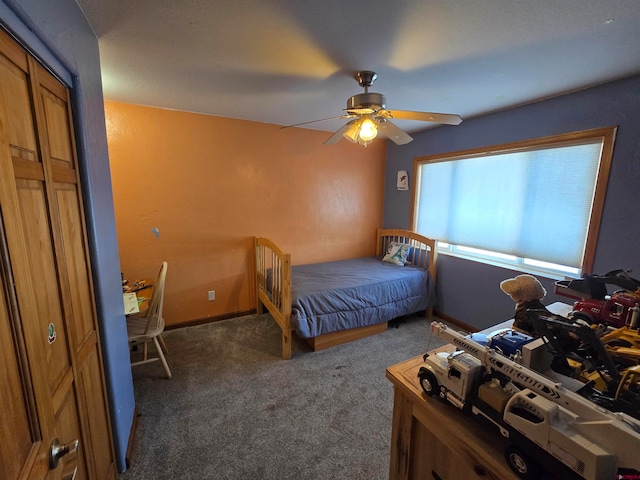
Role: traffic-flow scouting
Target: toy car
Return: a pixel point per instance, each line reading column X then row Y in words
column 506, row 341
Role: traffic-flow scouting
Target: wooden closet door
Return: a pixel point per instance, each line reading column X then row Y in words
column 48, row 328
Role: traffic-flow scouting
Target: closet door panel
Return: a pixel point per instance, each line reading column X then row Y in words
column 53, row 388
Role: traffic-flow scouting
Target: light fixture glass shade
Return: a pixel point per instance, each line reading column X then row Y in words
column 352, row 133
column 368, row 130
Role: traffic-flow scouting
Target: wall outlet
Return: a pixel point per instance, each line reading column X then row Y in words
column 212, row 294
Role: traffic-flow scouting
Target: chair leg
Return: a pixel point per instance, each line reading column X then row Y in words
column 161, row 356
column 164, row 345
column 145, row 349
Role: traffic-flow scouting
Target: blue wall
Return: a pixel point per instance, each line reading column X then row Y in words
column 57, row 31
column 469, row 291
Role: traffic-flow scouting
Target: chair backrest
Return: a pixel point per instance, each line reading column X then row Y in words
column 154, row 312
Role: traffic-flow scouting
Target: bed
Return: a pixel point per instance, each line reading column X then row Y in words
column 336, row 302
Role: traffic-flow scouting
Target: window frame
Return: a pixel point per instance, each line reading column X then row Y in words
column 605, row 134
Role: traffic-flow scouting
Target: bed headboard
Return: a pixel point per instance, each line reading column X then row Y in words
column 423, row 249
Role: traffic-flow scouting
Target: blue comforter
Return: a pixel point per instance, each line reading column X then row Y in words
column 334, row 296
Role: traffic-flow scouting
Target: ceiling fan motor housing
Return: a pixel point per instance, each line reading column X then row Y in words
column 375, row 101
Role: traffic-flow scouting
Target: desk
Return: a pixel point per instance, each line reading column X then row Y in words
column 431, row 439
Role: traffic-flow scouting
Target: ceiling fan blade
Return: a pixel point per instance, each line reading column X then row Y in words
column 314, row 121
column 393, row 133
column 337, row 136
column 447, row 118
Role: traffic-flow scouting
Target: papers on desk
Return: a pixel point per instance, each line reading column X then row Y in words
column 130, row 303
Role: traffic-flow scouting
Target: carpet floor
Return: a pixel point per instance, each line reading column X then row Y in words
column 235, row 410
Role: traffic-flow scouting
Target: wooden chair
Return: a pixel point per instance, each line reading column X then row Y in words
column 149, row 326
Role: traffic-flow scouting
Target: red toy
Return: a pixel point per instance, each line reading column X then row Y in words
column 595, row 306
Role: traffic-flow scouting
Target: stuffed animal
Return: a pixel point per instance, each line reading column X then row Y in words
column 526, row 291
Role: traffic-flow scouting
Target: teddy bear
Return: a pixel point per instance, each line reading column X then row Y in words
column 526, row 291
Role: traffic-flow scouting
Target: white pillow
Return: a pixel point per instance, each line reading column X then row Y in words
column 397, row 253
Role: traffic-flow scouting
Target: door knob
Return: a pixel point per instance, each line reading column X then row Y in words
column 59, row 450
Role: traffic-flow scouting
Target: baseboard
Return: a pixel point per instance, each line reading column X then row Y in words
column 454, row 321
column 132, row 438
column 202, row 321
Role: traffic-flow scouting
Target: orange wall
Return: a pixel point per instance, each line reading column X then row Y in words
column 210, row 184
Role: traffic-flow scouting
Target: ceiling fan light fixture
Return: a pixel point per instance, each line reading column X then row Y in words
column 368, row 130
column 353, row 132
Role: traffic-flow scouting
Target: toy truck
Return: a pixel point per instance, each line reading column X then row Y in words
column 608, row 362
column 594, row 305
column 547, row 425
column 618, row 309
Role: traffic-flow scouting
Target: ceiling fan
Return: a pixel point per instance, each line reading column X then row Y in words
column 370, row 117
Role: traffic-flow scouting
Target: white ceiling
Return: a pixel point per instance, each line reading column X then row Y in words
column 291, row 61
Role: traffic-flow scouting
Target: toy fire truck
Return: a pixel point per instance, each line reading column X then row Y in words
column 594, row 305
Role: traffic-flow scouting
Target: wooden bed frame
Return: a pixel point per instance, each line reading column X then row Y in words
column 270, row 258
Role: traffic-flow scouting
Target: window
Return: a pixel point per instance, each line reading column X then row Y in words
column 532, row 206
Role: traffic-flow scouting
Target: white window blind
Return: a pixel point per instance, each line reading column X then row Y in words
column 534, row 203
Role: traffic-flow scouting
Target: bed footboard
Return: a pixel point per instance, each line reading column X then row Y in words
column 273, row 287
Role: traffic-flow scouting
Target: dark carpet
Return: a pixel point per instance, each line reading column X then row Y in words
column 235, row 410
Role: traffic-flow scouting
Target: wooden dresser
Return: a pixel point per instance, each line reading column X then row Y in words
column 431, row 439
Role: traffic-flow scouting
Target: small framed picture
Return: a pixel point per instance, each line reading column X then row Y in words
column 403, row 180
